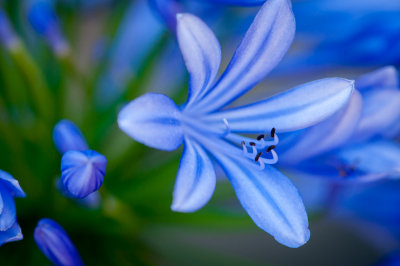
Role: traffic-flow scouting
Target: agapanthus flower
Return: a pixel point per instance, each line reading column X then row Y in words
column 206, row 128
column 357, row 141
column 55, row 243
column 9, row 228
column 82, row 170
column 44, row 21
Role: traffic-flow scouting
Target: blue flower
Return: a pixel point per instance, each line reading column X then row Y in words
column 44, row 21
column 82, row 170
column 67, row 136
column 55, row 243
column 268, row 196
column 9, row 228
column 357, row 141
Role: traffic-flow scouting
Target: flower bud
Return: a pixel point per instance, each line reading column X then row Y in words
column 67, row 136
column 55, row 243
column 82, row 172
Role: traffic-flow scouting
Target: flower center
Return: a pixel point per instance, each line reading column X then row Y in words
column 260, row 147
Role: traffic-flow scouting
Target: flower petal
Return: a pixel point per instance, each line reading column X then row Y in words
column 201, row 52
column 262, row 48
column 154, row 120
column 383, row 77
column 8, row 214
column 67, row 136
column 195, row 182
column 82, row 172
column 380, row 111
column 271, row 200
column 55, row 243
column 12, row 234
column 294, row 109
column 379, row 157
column 327, row 135
column 11, row 184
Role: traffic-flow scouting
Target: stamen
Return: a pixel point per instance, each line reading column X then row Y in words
column 228, row 128
column 273, row 132
column 271, row 148
column 261, row 137
column 258, row 156
column 252, row 144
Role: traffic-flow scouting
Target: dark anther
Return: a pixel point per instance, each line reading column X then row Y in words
column 271, row 148
column 273, row 132
column 243, row 143
column 252, row 144
column 261, row 137
column 257, row 156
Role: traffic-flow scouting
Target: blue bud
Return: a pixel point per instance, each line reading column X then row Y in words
column 67, row 136
column 82, row 172
column 44, row 21
column 55, row 243
column 7, row 35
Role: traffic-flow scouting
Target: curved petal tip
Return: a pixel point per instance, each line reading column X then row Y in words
column 154, row 120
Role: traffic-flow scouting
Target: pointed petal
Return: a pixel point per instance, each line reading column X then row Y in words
column 380, row 111
column 379, row 157
column 11, row 184
column 271, row 200
column 262, row 48
column 201, row 52
column 327, row 135
column 154, row 120
column 55, row 243
column 383, row 77
column 8, row 215
column 195, row 182
column 82, row 172
column 67, row 136
column 294, row 109
column 12, row 234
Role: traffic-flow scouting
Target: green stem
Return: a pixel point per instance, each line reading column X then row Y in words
column 40, row 92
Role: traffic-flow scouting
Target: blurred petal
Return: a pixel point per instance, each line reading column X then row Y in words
column 67, row 137
column 55, row 243
column 294, row 109
column 201, row 52
column 8, row 213
column 12, row 234
column 262, row 48
column 11, row 184
column 82, row 172
column 380, row 111
column 327, row 135
column 131, row 46
column 379, row 157
column 195, row 182
column 154, row 120
column 271, row 200
column 383, row 77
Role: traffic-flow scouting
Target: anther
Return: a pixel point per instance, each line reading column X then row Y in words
column 273, row 132
column 243, row 143
column 271, row 148
column 252, row 144
column 258, row 156
column 261, row 137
